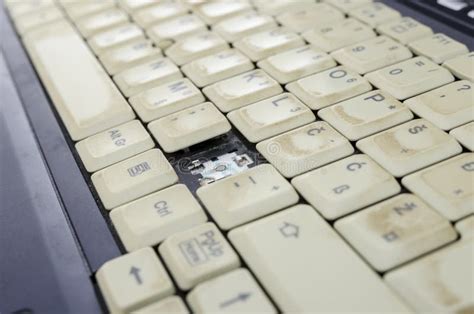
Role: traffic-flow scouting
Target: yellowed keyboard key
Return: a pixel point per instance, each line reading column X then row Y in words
column 329, row 87
column 215, row 11
column 310, row 16
column 405, row 30
column 247, row 196
column 306, row 267
column 241, row 90
column 151, row 219
column 196, row 46
column 462, row 67
column 466, row 227
column 188, row 127
column 346, row 185
column 132, row 178
column 80, row 9
column 440, row 282
column 277, row 7
column 409, row 147
column 264, row 44
column 374, row 14
column 270, row 117
column 448, row 186
column 240, row 26
column 465, row 135
column 217, row 67
column 114, row 145
column 18, row 8
column 130, row 55
column 131, row 281
column 438, row 47
column 164, row 34
column 173, row 304
column 366, row 114
column 234, row 292
column 395, row 231
column 409, row 78
column 83, row 113
column 158, row 71
column 135, row 5
column 166, row 99
column 35, row 19
column 115, row 38
column 198, row 254
column 159, row 13
column 447, row 107
column 372, row 54
column 348, row 5
column 296, row 63
column 338, row 34
column 305, row 148
column 100, row 22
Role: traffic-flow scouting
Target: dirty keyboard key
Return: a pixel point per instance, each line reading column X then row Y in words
column 196, row 46
column 366, row 114
column 240, row 26
column 465, row 135
column 329, row 87
column 304, row 149
column 270, row 117
column 338, row 34
column 198, row 254
column 405, row 30
column 296, row 63
column 234, row 292
column 114, row 38
column 438, row 47
column 130, row 55
column 217, row 67
column 166, row 99
column 309, row 16
column 395, row 231
column 169, row 305
column 247, row 196
column 145, row 76
column 100, row 22
column 33, row 20
column 188, row 127
column 448, row 186
column 346, row 185
column 440, row 282
column 372, row 54
column 409, row 147
column 215, row 11
column 348, row 5
column 409, row 78
column 133, row 280
column 375, row 14
column 151, row 219
column 159, row 13
column 306, row 267
column 133, row 178
column 114, row 145
column 448, row 106
column 83, row 114
column 267, row 43
column 462, row 67
column 241, row 90
column 77, row 9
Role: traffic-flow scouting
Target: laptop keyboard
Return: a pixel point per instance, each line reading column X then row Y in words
column 360, row 198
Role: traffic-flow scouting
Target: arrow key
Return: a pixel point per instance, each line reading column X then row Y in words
column 235, row 292
column 133, row 280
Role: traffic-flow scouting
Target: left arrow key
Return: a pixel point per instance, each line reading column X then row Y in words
column 134, row 280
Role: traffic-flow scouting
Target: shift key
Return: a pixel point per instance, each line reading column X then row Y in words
column 306, row 267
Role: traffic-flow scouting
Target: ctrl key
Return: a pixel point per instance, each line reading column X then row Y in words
column 134, row 280
column 198, row 254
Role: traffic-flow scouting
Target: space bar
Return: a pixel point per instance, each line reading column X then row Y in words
column 83, row 94
column 306, row 267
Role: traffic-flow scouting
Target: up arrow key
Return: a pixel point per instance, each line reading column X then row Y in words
column 135, row 272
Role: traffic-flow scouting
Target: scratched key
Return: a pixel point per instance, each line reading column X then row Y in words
column 234, row 292
column 133, row 280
